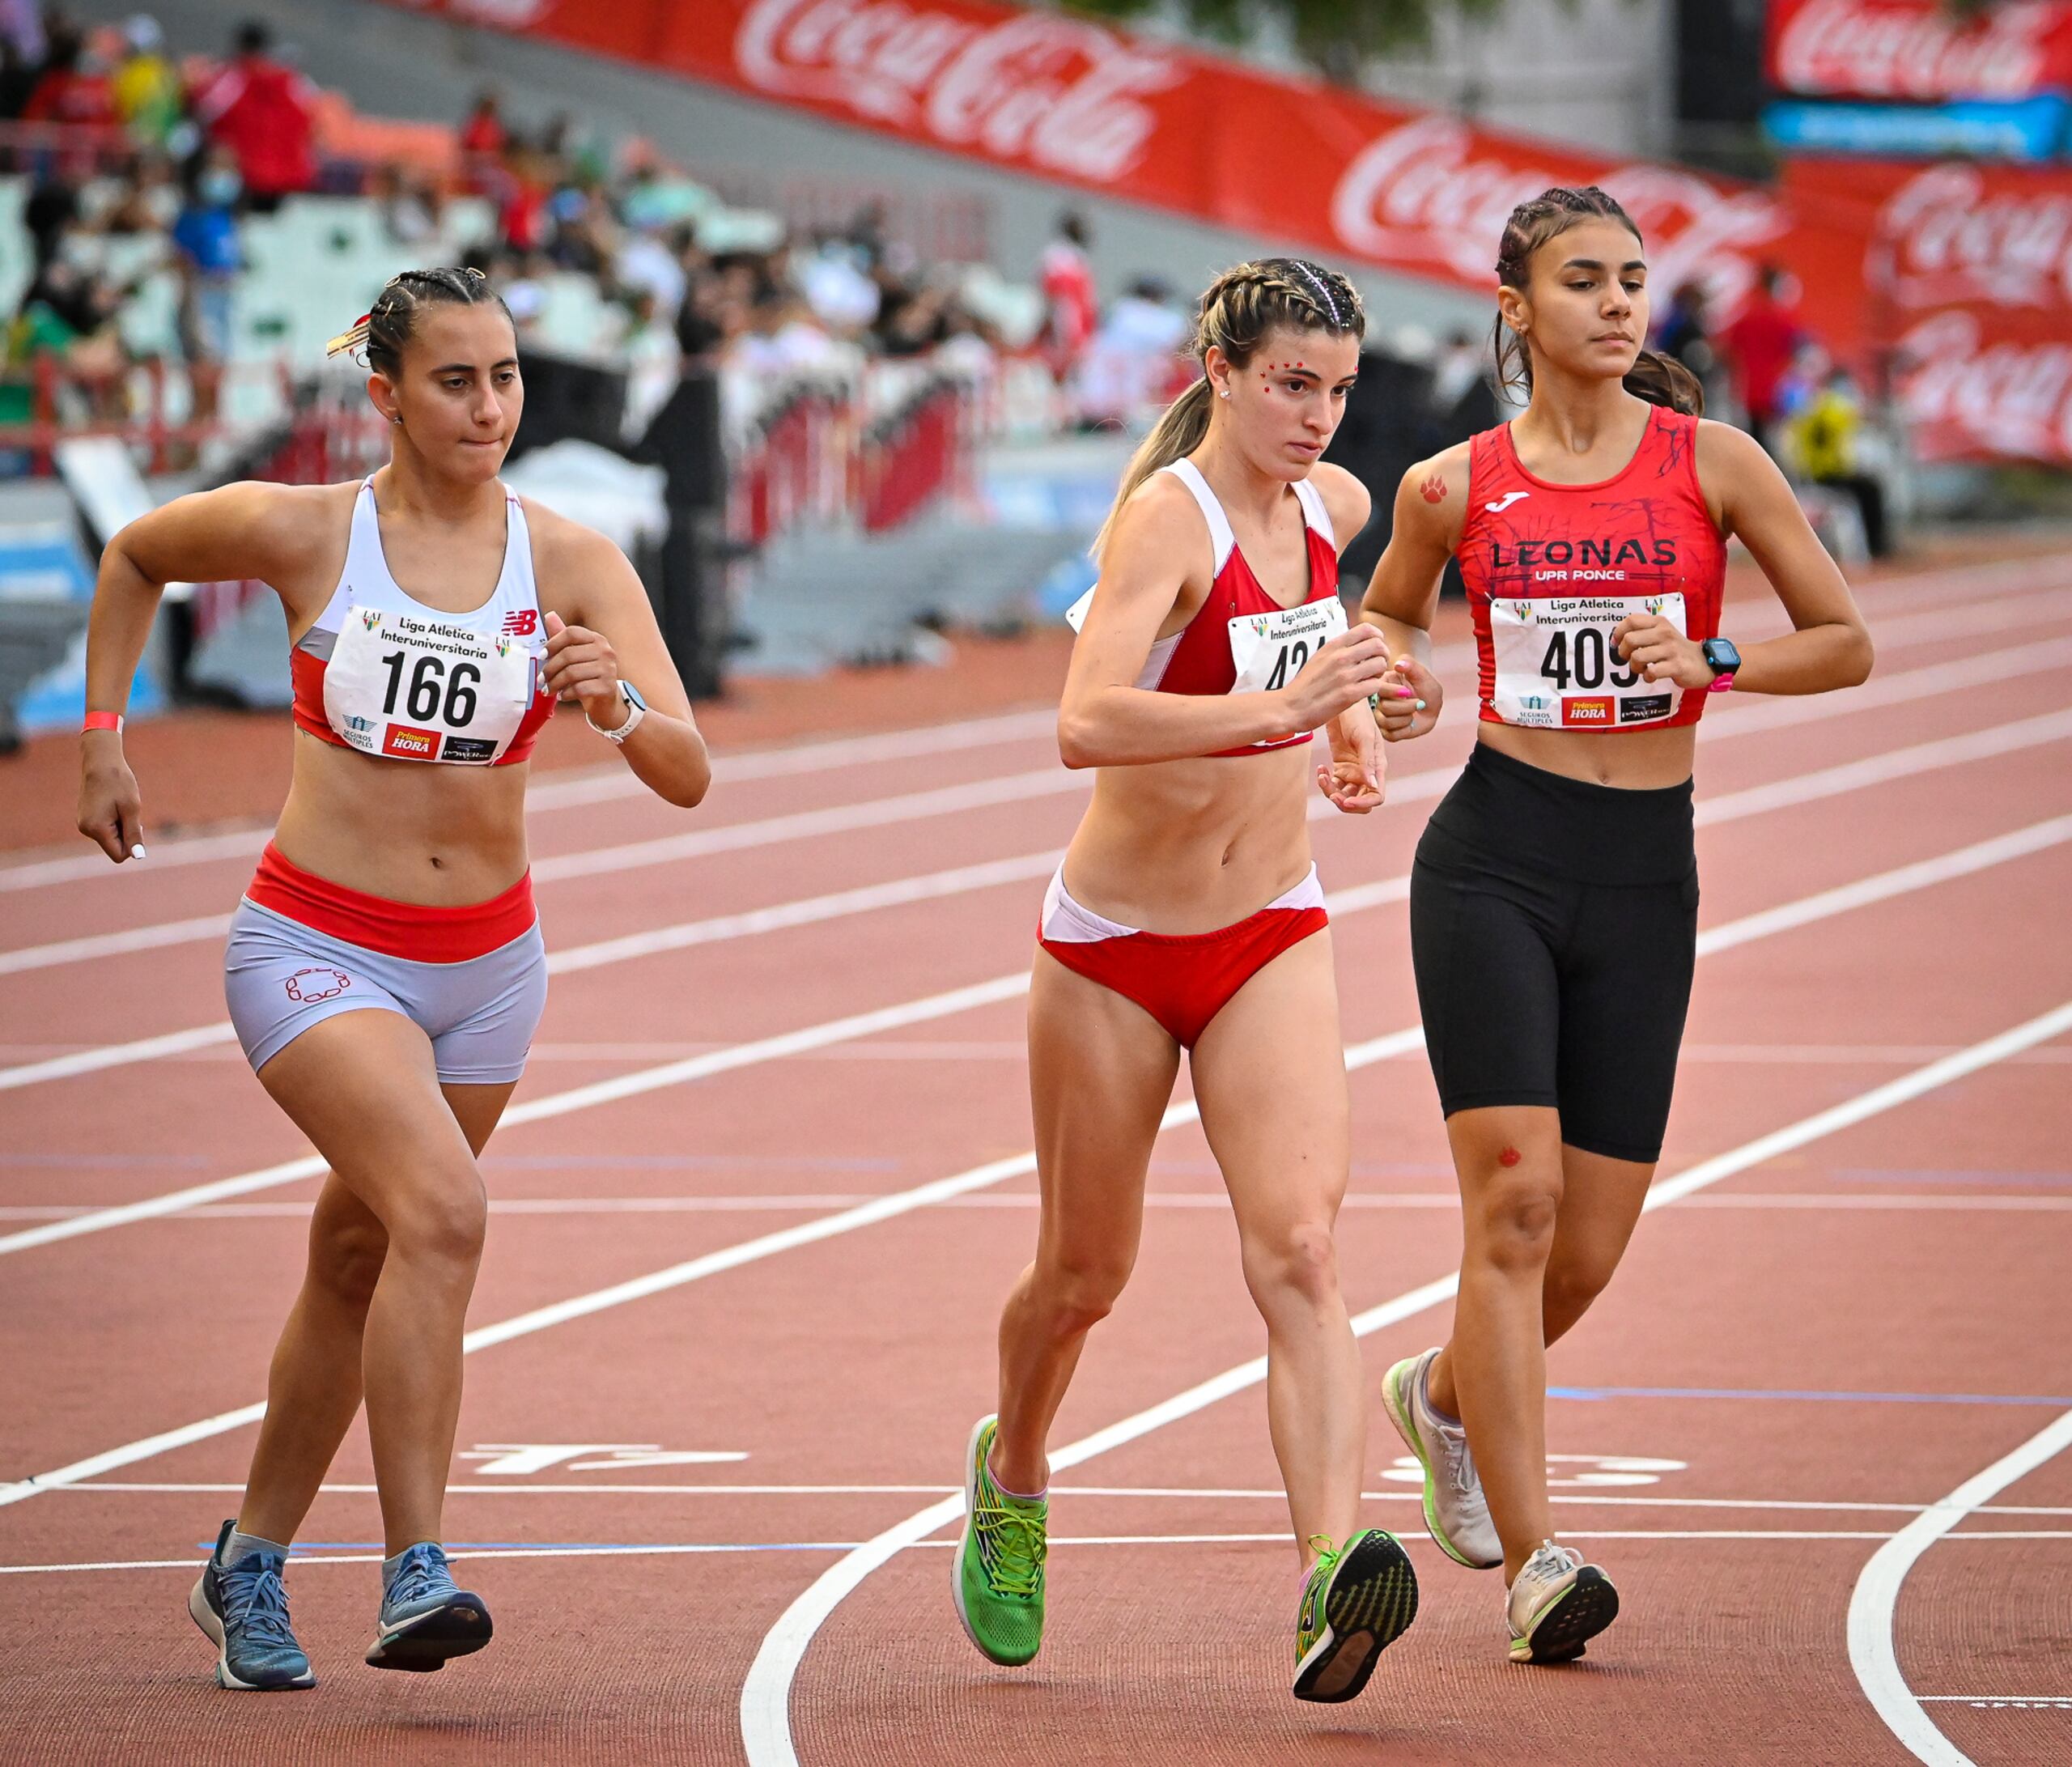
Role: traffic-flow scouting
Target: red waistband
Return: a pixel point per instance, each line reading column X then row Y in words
column 412, row 930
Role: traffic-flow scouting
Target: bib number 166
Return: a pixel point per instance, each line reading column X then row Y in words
column 434, row 692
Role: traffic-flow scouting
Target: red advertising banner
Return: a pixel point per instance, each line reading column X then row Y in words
column 1918, row 50
column 1069, row 99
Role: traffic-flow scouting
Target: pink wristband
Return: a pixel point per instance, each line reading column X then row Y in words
column 102, row 720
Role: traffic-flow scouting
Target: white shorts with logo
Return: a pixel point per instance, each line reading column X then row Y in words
column 281, row 977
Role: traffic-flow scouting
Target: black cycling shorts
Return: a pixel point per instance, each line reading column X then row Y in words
column 1553, row 925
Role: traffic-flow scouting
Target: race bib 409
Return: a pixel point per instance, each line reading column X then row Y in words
column 1557, row 667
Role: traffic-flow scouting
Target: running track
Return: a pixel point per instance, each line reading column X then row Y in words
column 768, row 1180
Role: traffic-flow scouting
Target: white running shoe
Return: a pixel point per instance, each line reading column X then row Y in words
column 1557, row 1605
column 1456, row 1513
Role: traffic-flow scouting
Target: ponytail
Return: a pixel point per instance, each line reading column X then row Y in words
column 1237, row 311
column 1664, row 381
column 1177, row 434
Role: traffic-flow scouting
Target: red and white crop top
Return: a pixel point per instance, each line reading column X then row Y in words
column 382, row 673
column 1552, row 570
column 1240, row 639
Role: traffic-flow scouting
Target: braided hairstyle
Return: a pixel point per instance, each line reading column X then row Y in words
column 386, row 327
column 1237, row 311
column 1659, row 379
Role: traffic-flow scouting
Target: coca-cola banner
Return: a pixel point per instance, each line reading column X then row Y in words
column 1069, row 99
column 1971, row 393
column 1919, row 50
column 1995, row 239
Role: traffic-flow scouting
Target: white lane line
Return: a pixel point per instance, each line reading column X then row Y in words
column 767, row 1691
column 1751, row 718
column 1758, row 1202
column 563, row 790
column 1881, row 768
column 1161, row 1493
column 676, row 1549
column 1872, row 1652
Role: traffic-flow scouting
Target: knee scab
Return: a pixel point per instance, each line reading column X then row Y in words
column 1510, row 1156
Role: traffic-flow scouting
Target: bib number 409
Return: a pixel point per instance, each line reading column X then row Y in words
column 1582, row 657
column 434, row 692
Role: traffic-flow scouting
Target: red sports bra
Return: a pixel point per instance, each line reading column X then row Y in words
column 1240, row 639
column 1552, row 570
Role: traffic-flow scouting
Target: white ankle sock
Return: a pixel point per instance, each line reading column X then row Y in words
column 242, row 1545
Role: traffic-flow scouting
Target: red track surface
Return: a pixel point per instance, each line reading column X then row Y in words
column 1878, row 1272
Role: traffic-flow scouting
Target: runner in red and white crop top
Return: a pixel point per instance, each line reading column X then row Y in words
column 1552, row 570
column 382, row 673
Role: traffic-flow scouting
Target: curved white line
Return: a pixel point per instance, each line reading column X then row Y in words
column 1871, row 1652
column 767, row 1692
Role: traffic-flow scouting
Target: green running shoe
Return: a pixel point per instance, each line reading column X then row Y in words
column 998, row 1578
column 1356, row 1603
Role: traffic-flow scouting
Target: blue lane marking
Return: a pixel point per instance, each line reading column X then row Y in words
column 1861, row 1398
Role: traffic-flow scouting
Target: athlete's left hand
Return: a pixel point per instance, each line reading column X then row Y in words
column 1355, row 778
column 581, row 664
column 1653, row 645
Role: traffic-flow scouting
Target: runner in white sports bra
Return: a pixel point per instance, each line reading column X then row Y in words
column 385, row 970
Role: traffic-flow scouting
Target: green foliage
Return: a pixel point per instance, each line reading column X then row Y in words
column 1337, row 35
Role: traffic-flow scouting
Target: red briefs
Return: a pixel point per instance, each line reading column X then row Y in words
column 1183, row 980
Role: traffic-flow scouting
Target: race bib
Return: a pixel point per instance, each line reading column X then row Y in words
column 1269, row 650
column 1558, row 669
column 411, row 687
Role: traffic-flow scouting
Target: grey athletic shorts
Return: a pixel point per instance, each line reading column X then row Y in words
column 281, row 977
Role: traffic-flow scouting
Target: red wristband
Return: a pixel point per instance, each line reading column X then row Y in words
column 102, row 720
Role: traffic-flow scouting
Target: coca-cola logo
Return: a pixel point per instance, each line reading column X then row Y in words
column 1419, row 196
column 1877, row 49
column 1059, row 93
column 1942, row 238
column 1965, row 397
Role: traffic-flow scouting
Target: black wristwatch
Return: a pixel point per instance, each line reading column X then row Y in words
column 1723, row 659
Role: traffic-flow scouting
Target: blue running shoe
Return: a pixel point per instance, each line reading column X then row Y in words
column 244, row 1608
column 424, row 1619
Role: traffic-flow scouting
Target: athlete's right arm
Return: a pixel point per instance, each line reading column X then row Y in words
column 1105, row 720
column 1402, row 595
column 243, row 530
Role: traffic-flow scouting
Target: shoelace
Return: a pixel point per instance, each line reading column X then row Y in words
column 422, row 1573
column 1012, row 1548
column 256, row 1602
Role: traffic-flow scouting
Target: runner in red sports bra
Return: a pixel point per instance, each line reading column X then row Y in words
column 1553, row 905
column 1186, row 918
column 384, row 971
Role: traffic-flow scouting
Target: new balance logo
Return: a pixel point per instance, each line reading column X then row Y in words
column 1509, row 497
column 522, row 623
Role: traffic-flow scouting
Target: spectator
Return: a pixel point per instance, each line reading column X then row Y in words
column 1685, row 333
column 1759, row 347
column 1068, row 302
column 264, row 112
column 52, row 206
column 212, row 256
column 1824, row 432
column 1131, row 359
column 483, row 136
column 409, row 205
column 73, row 89
column 149, row 200
column 150, row 99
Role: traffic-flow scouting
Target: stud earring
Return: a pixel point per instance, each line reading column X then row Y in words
column 1224, row 391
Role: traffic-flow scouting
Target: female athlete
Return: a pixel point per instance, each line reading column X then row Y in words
column 385, row 969
column 1186, row 915
column 1553, row 906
